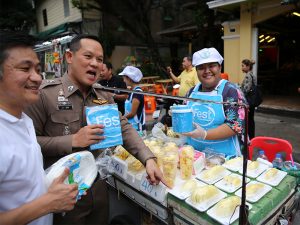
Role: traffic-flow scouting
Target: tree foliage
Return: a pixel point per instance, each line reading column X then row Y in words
column 134, row 15
column 16, row 15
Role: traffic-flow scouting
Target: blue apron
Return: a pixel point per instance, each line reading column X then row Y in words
column 136, row 122
column 209, row 116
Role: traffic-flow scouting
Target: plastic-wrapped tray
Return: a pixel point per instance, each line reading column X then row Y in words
column 257, row 195
column 253, row 173
column 181, row 194
column 225, row 220
column 273, row 180
column 204, row 205
column 228, row 186
column 212, row 179
column 234, row 164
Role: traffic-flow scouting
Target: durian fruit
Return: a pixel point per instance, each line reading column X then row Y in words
column 186, row 162
column 253, row 165
column 234, row 162
column 157, row 151
column 121, row 152
column 213, row 172
column 253, row 189
column 170, row 146
column 171, row 133
column 134, row 164
column 226, row 207
column 204, row 193
column 232, row 180
column 169, row 166
column 271, row 173
column 189, row 185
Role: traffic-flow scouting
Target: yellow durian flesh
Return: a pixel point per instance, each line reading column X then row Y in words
column 226, row 207
column 232, row 180
column 204, row 193
column 253, row 165
column 253, row 189
column 271, row 173
column 121, row 152
column 213, row 172
column 134, row 164
column 189, row 186
column 234, row 162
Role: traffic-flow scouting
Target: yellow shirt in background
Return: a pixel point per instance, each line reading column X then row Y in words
column 188, row 79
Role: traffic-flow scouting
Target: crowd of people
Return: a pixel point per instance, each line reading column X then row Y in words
column 44, row 120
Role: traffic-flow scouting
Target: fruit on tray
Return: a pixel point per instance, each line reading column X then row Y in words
column 234, row 162
column 134, row 164
column 171, row 133
column 232, row 180
column 189, row 185
column 204, row 193
column 213, row 172
column 121, row 152
column 226, row 207
column 253, row 189
column 271, row 173
column 253, row 165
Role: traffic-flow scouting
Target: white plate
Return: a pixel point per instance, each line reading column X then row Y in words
column 214, row 179
column 225, row 220
column 274, row 181
column 235, row 165
column 203, row 206
column 177, row 192
column 255, row 197
column 255, row 173
column 223, row 185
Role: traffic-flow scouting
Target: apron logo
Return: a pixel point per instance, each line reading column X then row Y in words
column 204, row 114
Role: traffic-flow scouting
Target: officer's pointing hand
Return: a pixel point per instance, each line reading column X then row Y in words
column 88, row 135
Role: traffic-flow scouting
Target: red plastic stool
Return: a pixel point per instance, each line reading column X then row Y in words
column 150, row 104
column 175, row 91
column 158, row 89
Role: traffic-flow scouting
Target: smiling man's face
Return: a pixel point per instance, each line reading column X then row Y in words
column 19, row 86
column 85, row 64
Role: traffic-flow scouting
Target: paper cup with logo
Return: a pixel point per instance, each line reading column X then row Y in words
column 182, row 118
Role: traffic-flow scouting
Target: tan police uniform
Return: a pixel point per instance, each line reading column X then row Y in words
column 59, row 113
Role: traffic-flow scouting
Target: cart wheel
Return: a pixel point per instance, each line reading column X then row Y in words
column 122, row 220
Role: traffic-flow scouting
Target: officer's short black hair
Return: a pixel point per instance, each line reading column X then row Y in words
column 75, row 42
column 13, row 39
column 188, row 57
column 108, row 65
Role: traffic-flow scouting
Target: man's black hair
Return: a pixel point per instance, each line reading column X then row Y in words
column 75, row 42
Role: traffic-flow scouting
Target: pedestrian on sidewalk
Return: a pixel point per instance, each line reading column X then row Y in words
column 249, row 80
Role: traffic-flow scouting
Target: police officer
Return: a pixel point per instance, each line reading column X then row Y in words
column 60, row 123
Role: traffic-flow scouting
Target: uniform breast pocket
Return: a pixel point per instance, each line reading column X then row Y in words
column 64, row 123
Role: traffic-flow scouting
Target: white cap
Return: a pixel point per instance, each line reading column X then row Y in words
column 133, row 73
column 207, row 55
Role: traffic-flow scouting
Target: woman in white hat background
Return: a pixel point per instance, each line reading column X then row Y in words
column 134, row 105
column 218, row 126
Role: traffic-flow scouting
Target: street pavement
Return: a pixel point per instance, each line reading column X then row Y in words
column 285, row 127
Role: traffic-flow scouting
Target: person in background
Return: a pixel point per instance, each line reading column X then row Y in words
column 217, row 126
column 23, row 193
column 134, row 105
column 188, row 77
column 60, row 123
column 109, row 80
column 248, row 81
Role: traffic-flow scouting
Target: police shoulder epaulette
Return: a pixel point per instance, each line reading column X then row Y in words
column 46, row 83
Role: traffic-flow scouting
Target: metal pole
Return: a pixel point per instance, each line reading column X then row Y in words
column 244, row 211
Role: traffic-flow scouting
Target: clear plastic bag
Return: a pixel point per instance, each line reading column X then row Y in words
column 157, row 131
column 104, row 164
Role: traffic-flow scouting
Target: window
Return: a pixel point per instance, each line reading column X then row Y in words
column 66, row 8
column 45, row 19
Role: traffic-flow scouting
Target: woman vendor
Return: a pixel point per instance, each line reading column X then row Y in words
column 218, row 126
column 134, row 105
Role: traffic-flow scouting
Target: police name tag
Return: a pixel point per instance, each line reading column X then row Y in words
column 120, row 167
column 158, row 192
column 64, row 105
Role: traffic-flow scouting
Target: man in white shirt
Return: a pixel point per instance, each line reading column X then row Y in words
column 24, row 196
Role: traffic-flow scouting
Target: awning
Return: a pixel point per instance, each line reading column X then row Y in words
column 53, row 31
column 221, row 3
